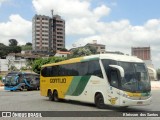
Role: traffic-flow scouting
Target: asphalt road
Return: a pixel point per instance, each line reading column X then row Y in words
column 32, row 101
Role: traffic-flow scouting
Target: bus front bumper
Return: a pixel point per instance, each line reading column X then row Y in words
column 17, row 87
column 138, row 102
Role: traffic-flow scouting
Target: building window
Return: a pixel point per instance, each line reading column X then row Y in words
column 102, row 47
column 59, row 36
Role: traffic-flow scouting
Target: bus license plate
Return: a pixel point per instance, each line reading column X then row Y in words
column 140, row 103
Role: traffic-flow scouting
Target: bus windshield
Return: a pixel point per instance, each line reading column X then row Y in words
column 10, row 80
column 136, row 77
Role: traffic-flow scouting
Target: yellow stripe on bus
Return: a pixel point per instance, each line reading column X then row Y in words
column 74, row 60
column 133, row 94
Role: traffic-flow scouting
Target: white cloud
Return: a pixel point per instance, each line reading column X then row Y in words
column 80, row 17
column 16, row 28
column 84, row 21
column 66, row 8
column 121, row 36
column 101, row 11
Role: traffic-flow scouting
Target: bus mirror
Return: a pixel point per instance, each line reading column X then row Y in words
column 119, row 68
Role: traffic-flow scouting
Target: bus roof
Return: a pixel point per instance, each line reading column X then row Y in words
column 116, row 57
column 19, row 72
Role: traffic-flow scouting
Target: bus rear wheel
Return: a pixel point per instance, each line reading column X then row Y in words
column 50, row 95
column 99, row 101
column 55, row 96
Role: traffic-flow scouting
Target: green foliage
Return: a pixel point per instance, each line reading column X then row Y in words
column 0, row 78
column 63, row 49
column 3, row 50
column 26, row 47
column 12, row 48
column 78, row 52
column 23, row 68
column 12, row 68
column 92, row 49
column 28, row 44
column 36, row 65
column 13, row 42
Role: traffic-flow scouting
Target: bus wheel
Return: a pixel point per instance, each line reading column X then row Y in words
column 50, row 95
column 99, row 101
column 55, row 96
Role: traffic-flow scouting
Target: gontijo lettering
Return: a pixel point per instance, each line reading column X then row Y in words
column 58, row 80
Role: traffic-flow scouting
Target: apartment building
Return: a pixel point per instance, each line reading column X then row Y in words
column 48, row 33
column 143, row 53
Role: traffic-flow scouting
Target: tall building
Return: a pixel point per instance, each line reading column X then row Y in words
column 143, row 53
column 48, row 33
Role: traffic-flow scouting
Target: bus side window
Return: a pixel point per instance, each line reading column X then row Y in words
column 82, row 68
column 94, row 68
column 114, row 78
column 106, row 63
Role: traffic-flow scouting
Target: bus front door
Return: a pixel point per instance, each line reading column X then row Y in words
column 113, row 94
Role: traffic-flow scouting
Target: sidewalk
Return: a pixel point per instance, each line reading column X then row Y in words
column 1, row 88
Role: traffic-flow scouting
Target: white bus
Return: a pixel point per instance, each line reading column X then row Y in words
column 104, row 79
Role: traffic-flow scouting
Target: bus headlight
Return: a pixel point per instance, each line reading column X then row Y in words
column 125, row 95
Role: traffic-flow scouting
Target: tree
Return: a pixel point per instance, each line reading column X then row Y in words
column 78, row 52
column 92, row 49
column 36, row 65
column 2, row 45
column 28, row 44
column 26, row 47
column 14, row 49
column 13, row 42
column 63, row 49
column 3, row 50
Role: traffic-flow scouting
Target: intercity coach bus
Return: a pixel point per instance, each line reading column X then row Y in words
column 21, row 80
column 104, row 79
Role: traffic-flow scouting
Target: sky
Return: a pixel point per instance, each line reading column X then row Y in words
column 119, row 24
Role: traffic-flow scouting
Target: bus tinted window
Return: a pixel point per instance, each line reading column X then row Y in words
column 68, row 70
column 82, row 68
column 74, row 69
column 106, row 64
column 94, row 68
column 54, row 71
column 44, row 72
